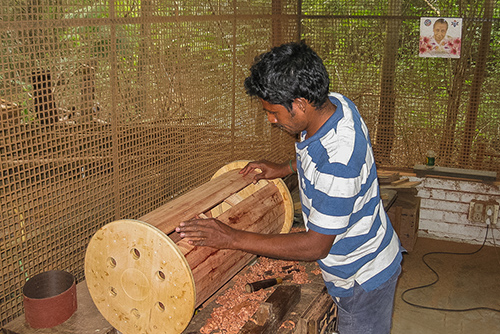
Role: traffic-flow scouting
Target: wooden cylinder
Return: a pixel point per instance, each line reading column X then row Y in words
column 144, row 278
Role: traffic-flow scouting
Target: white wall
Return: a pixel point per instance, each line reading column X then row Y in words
column 444, row 209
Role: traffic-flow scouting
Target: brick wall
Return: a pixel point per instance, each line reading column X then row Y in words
column 444, row 209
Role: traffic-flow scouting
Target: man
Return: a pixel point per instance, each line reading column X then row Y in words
column 347, row 229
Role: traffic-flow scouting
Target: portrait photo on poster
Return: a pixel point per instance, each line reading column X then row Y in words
column 440, row 37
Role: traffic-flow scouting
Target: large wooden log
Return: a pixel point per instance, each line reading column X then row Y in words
column 144, row 279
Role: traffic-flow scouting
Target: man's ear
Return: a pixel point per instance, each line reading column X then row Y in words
column 301, row 103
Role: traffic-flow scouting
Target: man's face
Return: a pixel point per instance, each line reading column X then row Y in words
column 292, row 122
column 440, row 30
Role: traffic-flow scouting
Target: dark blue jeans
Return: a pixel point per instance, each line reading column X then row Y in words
column 368, row 312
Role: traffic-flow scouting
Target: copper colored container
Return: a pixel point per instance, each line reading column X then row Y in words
column 49, row 298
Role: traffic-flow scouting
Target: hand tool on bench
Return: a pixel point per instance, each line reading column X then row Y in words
column 265, row 283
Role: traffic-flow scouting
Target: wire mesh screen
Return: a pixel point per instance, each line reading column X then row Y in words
column 111, row 109
column 412, row 104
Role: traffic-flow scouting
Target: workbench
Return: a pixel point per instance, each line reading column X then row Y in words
column 87, row 318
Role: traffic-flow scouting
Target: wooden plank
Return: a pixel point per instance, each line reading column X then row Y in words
column 320, row 316
column 259, row 212
column 410, row 184
column 271, row 313
column 243, row 218
column 385, row 178
column 228, row 263
column 233, row 199
column 422, row 171
column 402, row 180
column 168, row 216
column 216, row 279
column 401, row 185
column 267, row 210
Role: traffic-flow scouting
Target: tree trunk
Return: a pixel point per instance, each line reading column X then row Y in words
column 455, row 94
column 475, row 94
column 385, row 129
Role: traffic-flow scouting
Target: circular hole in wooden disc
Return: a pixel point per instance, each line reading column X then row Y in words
column 160, row 275
column 160, row 306
column 136, row 255
column 111, row 262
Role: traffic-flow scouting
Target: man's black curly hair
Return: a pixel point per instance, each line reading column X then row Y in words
column 287, row 72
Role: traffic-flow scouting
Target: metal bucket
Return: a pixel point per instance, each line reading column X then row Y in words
column 49, row 298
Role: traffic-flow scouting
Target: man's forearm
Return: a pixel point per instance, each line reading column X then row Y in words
column 300, row 246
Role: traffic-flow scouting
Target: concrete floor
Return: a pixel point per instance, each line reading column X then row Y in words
column 465, row 281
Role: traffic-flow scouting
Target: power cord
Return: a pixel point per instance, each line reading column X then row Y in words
column 437, row 279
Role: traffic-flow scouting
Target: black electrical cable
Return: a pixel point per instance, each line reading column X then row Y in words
column 437, row 279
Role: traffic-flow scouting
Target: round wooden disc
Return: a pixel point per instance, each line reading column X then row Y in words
column 138, row 279
column 250, row 189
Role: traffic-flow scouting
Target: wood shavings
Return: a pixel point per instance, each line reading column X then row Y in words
column 289, row 324
column 317, row 270
column 238, row 306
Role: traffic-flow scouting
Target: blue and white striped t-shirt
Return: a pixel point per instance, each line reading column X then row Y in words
column 340, row 195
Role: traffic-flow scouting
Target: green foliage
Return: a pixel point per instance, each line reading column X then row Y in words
column 350, row 36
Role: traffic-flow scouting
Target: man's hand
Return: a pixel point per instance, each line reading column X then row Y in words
column 208, row 232
column 301, row 246
column 269, row 170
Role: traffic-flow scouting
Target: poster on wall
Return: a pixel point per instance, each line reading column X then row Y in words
column 440, row 37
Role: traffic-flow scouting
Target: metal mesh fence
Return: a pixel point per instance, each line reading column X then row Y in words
column 111, row 109
column 413, row 104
